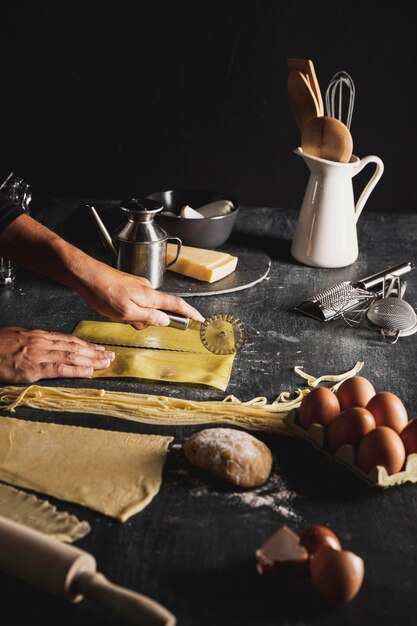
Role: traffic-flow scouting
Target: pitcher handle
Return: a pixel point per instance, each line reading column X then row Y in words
column 179, row 245
column 379, row 170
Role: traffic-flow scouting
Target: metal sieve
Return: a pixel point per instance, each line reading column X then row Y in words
column 393, row 316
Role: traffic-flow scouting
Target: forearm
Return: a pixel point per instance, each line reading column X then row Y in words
column 111, row 293
column 32, row 245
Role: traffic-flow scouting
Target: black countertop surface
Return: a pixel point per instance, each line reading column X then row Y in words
column 193, row 547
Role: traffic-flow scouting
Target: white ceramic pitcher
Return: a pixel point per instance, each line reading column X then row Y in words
column 325, row 235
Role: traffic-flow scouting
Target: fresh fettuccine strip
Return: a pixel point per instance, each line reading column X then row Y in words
column 31, row 511
column 255, row 414
column 312, row 381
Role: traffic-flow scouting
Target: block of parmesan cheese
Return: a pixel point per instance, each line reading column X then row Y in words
column 206, row 265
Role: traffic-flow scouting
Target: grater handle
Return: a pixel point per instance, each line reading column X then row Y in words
column 377, row 279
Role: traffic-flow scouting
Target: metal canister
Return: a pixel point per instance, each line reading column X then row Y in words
column 141, row 244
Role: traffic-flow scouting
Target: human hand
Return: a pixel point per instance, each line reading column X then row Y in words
column 116, row 295
column 29, row 355
column 122, row 297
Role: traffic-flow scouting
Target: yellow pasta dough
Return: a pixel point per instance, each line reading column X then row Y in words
column 31, row 511
column 117, row 474
column 255, row 414
column 158, row 353
column 159, row 337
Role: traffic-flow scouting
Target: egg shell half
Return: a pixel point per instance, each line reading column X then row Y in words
column 336, row 575
column 316, row 537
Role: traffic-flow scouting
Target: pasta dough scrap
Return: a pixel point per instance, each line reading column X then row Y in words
column 39, row 514
column 164, row 354
column 115, row 473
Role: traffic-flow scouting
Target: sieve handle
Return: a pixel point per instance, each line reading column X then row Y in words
column 377, row 279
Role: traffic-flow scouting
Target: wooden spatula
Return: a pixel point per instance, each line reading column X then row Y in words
column 303, row 102
column 68, row 572
column 306, row 67
column 327, row 138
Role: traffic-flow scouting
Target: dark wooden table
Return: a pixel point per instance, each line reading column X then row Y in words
column 193, row 548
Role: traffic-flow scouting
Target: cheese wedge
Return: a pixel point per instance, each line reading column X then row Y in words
column 205, row 265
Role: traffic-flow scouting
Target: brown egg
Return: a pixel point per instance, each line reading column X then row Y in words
column 381, row 446
column 355, row 391
column 320, row 406
column 336, row 575
column 349, row 427
column 388, row 410
column 316, row 537
column 409, row 437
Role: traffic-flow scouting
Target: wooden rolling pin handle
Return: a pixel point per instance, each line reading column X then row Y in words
column 133, row 607
column 69, row 572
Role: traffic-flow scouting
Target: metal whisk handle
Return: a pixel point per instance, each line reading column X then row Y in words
column 377, row 279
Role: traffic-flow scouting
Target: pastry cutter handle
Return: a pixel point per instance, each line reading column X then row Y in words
column 178, row 321
column 378, row 278
column 182, row 323
column 68, row 572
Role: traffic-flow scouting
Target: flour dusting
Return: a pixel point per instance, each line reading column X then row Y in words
column 274, row 495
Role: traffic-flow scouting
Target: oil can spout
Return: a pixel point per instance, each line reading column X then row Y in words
column 107, row 240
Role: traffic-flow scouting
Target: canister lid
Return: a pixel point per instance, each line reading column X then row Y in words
column 140, row 205
column 140, row 226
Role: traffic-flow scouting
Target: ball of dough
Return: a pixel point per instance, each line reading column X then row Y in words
column 231, row 454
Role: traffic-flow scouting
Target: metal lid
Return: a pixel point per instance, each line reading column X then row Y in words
column 140, row 227
column 139, row 208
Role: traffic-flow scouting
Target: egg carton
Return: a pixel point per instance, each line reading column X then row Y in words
column 345, row 455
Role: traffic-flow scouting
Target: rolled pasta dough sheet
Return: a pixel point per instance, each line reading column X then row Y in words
column 160, row 337
column 164, row 354
column 163, row 365
column 115, row 473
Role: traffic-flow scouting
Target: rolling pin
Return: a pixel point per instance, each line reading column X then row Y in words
column 71, row 573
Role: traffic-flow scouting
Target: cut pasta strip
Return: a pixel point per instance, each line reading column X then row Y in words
column 254, row 414
column 312, row 381
column 150, row 409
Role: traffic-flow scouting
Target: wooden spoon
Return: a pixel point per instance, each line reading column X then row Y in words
column 306, row 67
column 303, row 102
column 327, row 138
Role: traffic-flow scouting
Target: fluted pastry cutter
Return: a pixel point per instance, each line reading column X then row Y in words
column 221, row 333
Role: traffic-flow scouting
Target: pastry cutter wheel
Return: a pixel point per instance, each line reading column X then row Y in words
column 221, row 333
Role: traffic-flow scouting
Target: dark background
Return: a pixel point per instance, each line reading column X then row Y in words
column 110, row 99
